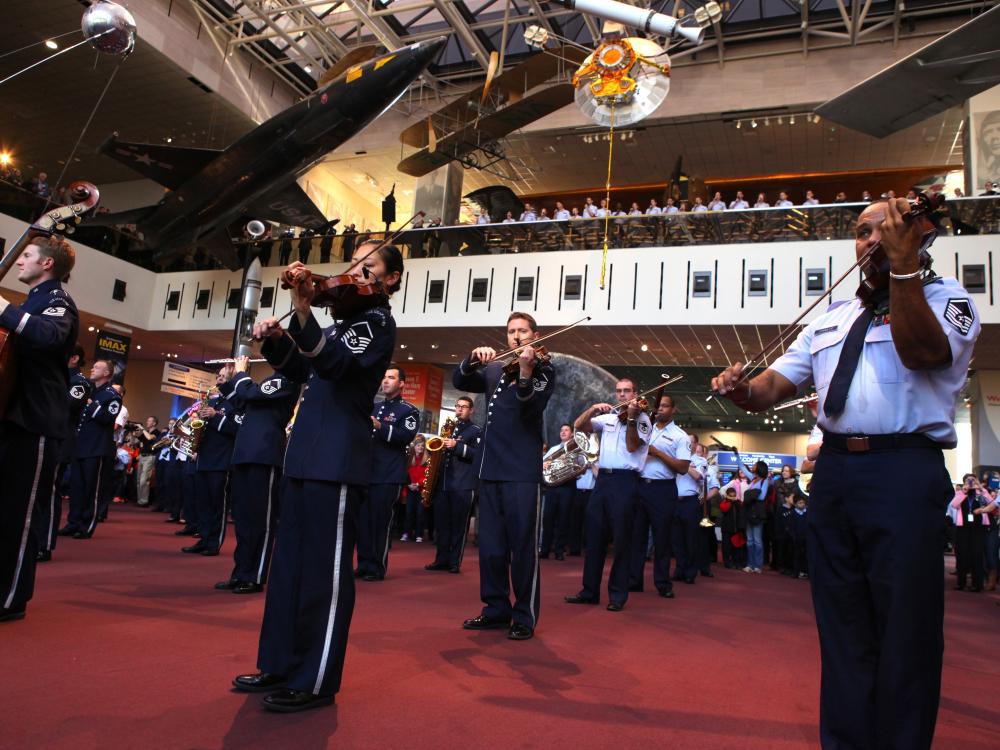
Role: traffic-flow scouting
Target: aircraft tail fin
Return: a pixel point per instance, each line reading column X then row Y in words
column 170, row 166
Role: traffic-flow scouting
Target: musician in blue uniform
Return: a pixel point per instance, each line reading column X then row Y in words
column 887, row 375
column 455, row 489
column 558, row 502
column 668, row 457
column 394, row 424
column 310, row 599
column 510, row 471
column 43, row 329
column 95, row 453
column 187, row 469
column 222, row 419
column 48, row 505
column 255, row 476
column 611, row 510
column 684, row 531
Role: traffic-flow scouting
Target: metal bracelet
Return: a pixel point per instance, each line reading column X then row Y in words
column 905, row 276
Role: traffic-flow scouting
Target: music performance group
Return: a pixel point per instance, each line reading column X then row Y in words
column 887, row 370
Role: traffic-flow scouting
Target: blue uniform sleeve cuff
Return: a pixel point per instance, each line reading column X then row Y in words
column 13, row 318
column 309, row 338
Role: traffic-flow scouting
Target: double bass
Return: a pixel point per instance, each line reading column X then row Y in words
column 59, row 220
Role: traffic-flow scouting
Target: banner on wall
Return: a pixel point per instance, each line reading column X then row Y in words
column 774, row 461
column 189, row 382
column 424, row 387
column 986, row 418
column 114, row 347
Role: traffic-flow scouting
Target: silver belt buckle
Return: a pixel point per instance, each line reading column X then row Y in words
column 858, row 444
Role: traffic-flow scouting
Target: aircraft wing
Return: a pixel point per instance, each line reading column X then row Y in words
column 490, row 128
column 288, row 205
column 169, row 166
column 943, row 74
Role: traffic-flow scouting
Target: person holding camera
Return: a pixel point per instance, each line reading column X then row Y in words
column 972, row 505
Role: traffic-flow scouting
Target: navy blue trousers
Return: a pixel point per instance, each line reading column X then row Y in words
column 577, row 516
column 88, row 483
column 375, row 528
column 684, row 536
column 27, row 468
column 610, row 513
column 555, row 517
column 509, row 520
column 877, row 578
column 256, row 501
column 210, row 491
column 310, row 600
column 189, row 504
column 48, row 511
column 657, row 503
column 451, row 525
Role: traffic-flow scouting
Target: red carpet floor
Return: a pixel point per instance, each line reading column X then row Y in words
column 126, row 645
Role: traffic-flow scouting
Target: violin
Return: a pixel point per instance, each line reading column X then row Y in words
column 642, row 403
column 874, row 264
column 341, row 294
column 62, row 219
column 513, row 366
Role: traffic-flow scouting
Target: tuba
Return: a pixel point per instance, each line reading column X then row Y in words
column 569, row 461
column 435, row 449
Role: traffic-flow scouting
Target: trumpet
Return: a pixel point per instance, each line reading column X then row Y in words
column 797, row 402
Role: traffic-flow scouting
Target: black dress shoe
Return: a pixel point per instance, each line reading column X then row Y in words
column 184, row 532
column 520, row 632
column 10, row 615
column 247, row 587
column 560, row 556
column 577, row 599
column 194, row 549
column 171, row 519
column 369, row 577
column 227, row 585
column 454, row 569
column 677, row 577
column 484, row 623
column 289, row 701
column 437, row 566
column 82, row 535
column 667, row 594
column 258, row 683
column 615, row 607
column 44, row 555
column 67, row 531
column 636, row 587
column 708, row 574
column 209, row 551
column 688, row 580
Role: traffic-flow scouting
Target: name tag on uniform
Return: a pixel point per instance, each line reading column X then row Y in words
column 969, row 518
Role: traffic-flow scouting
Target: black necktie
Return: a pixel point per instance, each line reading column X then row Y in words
column 840, row 384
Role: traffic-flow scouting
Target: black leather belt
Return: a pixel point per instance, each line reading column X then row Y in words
column 617, row 471
column 655, row 481
column 867, row 443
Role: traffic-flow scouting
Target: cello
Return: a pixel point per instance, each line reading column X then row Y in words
column 59, row 220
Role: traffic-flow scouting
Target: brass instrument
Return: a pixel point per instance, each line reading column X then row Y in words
column 435, row 449
column 188, row 429
column 570, row 461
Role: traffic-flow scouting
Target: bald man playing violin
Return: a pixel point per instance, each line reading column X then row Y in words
column 887, row 375
column 510, row 471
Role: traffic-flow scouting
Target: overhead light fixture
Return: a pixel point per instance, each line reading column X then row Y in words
column 644, row 347
column 434, row 346
column 90, row 328
column 5, row 158
column 739, row 124
column 51, row 44
column 536, row 36
column 308, row 69
column 410, row 357
column 780, row 121
column 402, row 346
column 708, row 347
column 791, row 120
column 767, row 123
column 708, row 14
column 169, row 139
column 138, row 346
column 753, row 123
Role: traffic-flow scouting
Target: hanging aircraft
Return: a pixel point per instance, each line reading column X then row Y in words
column 211, row 191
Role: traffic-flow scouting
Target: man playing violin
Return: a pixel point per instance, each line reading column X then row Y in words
column 510, row 471
column 625, row 431
column 44, row 328
column 310, row 599
column 887, row 375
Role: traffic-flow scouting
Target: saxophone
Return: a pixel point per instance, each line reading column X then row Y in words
column 435, row 449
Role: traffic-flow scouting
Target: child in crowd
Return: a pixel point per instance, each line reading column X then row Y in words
column 732, row 523
column 799, row 527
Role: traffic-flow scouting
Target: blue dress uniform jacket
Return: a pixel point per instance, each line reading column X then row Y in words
column 96, row 435
column 514, row 412
column 459, row 472
column 77, row 396
column 398, row 425
column 266, row 410
column 342, row 367
column 215, row 452
column 45, row 326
